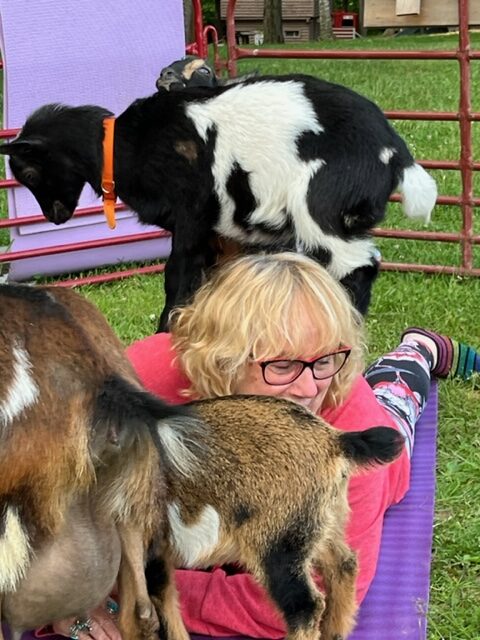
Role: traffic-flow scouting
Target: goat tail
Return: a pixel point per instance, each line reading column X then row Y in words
column 377, row 445
column 175, row 430
column 128, row 407
column 419, row 192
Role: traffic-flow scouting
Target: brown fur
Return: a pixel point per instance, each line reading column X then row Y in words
column 93, row 483
column 77, row 492
column 277, row 476
column 187, row 149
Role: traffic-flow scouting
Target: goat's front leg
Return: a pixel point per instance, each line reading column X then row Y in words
column 137, row 617
column 337, row 563
column 191, row 254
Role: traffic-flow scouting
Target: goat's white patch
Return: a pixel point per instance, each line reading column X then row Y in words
column 15, row 551
column 419, row 191
column 280, row 183
column 192, row 542
column 276, row 182
column 23, row 390
column 386, row 154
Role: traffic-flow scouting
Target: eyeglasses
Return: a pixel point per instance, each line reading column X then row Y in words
column 278, row 372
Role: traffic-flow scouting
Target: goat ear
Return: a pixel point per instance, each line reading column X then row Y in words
column 22, row 147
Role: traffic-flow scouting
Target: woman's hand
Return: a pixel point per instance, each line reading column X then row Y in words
column 101, row 624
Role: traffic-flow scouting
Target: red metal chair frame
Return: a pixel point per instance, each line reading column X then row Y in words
column 464, row 116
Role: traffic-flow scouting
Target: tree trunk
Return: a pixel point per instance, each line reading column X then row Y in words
column 218, row 19
column 272, row 21
column 188, row 21
column 325, row 20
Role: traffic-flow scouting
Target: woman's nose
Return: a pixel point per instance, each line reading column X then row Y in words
column 305, row 385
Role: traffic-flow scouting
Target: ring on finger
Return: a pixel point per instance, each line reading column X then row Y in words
column 78, row 626
column 112, row 607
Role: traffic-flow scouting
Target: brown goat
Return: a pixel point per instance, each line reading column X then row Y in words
column 270, row 493
column 97, row 474
column 81, row 489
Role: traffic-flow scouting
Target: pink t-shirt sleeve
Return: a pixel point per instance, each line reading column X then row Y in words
column 154, row 361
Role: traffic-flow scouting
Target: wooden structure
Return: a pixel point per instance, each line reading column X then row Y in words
column 300, row 20
column 424, row 13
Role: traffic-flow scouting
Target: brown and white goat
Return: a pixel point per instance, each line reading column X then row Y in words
column 81, row 489
column 269, row 492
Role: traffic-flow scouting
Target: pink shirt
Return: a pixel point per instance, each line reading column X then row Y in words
column 224, row 604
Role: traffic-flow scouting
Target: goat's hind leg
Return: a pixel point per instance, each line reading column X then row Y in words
column 137, row 617
column 161, row 587
column 288, row 581
column 337, row 564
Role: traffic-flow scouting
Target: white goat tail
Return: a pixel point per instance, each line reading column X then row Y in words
column 419, row 191
column 15, row 551
column 179, row 439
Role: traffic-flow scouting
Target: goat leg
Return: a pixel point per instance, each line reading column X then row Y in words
column 191, row 254
column 290, row 586
column 137, row 618
column 14, row 635
column 338, row 566
column 163, row 592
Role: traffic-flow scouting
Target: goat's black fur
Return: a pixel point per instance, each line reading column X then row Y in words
column 320, row 180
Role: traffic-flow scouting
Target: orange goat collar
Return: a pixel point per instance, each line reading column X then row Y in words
column 108, row 183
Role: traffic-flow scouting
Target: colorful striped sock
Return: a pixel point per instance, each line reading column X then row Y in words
column 455, row 359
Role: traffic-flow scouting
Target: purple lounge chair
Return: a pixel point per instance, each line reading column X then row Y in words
column 84, row 52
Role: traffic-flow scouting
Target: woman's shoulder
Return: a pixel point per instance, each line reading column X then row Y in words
column 360, row 410
column 155, row 363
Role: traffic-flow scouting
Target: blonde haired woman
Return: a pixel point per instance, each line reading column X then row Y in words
column 279, row 325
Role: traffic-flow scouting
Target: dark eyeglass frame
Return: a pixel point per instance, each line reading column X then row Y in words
column 310, row 364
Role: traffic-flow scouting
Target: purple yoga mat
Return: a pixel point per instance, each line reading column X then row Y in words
column 84, row 52
column 396, row 604
column 395, row 607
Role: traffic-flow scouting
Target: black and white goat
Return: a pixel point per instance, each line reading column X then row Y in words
column 272, row 160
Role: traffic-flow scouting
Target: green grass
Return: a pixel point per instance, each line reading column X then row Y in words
column 447, row 303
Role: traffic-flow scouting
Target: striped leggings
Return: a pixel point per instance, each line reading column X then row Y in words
column 401, row 382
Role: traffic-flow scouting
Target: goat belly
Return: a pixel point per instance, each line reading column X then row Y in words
column 69, row 575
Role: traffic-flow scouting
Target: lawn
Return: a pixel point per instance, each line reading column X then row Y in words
column 449, row 304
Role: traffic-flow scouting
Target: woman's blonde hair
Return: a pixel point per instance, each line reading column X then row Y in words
column 262, row 307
